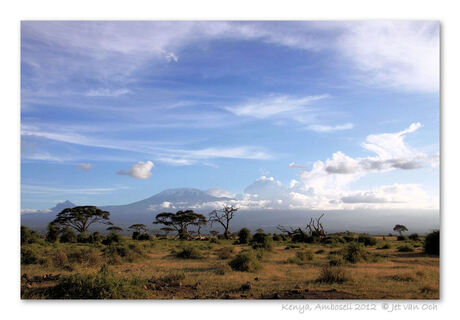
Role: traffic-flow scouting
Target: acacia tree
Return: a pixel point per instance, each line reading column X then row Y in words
column 81, row 218
column 138, row 227
column 114, row 229
column 400, row 228
column 223, row 217
column 180, row 221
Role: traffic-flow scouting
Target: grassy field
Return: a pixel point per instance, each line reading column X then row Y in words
column 173, row 269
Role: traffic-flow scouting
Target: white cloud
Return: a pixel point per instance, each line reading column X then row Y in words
column 324, row 128
column 102, row 92
column 394, row 54
column 220, row 193
column 25, row 211
column 140, row 170
column 84, row 166
column 295, row 108
column 296, row 166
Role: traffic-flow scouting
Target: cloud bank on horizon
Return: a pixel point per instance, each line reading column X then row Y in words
column 340, row 115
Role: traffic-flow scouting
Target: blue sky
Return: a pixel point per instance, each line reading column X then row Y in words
column 317, row 115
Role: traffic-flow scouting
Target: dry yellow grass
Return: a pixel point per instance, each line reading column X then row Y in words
column 412, row 275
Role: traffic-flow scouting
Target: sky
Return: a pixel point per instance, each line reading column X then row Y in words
column 288, row 115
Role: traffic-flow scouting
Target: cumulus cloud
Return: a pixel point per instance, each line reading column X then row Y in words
column 140, row 170
column 84, row 166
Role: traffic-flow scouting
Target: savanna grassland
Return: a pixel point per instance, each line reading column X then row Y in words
column 340, row 266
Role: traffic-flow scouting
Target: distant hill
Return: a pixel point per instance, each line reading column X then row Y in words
column 172, row 200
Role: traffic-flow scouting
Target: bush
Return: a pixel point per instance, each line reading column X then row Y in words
column 52, row 235
column 29, row 236
column 103, row 285
column 189, row 253
column 334, row 240
column 144, row 237
column 384, row 246
column 214, row 240
column 87, row 256
column 245, row 261
column 301, row 257
column 172, row 278
column 405, row 248
column 278, row 237
column 431, row 245
column 95, row 237
column 225, row 253
column 135, row 235
column 320, row 251
column 111, row 238
column 262, row 240
column 414, row 237
column 67, row 236
column 244, row 236
column 401, row 238
column 336, row 261
column 348, row 238
column 29, row 256
column 60, row 259
column 222, row 269
column 333, row 274
column 367, row 240
column 118, row 252
column 83, row 238
column 355, row 252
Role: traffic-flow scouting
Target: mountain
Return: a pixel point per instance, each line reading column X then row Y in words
column 61, row 206
column 172, row 200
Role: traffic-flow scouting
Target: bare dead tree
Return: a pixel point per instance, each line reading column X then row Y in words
column 316, row 228
column 313, row 229
column 223, row 217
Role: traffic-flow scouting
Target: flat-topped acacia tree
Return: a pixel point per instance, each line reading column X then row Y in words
column 138, row 227
column 180, row 221
column 81, row 218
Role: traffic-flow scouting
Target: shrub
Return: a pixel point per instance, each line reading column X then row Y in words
column 118, row 252
column 336, row 261
column 135, row 235
column 262, row 240
column 83, row 238
column 245, row 261
column 320, row 251
column 348, row 238
column 222, row 269
column 431, row 245
column 367, row 240
column 334, row 240
column 52, row 235
column 384, row 246
column 401, row 238
column 29, row 236
column 244, row 236
column 87, row 256
column 173, row 278
column 60, row 259
column 225, row 253
column 333, row 274
column 278, row 237
column 103, row 285
column 29, row 256
column 405, row 248
column 414, row 237
column 67, row 236
column 354, row 252
column 189, row 253
column 144, row 237
column 95, row 237
column 111, row 238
